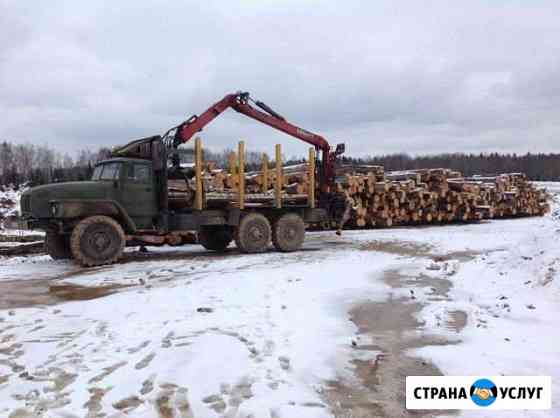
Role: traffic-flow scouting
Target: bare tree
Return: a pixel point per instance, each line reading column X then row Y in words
column 6, row 157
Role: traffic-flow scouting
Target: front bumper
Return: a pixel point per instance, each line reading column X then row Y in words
column 33, row 224
column 24, row 224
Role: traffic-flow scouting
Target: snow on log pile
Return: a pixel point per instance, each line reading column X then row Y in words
column 438, row 195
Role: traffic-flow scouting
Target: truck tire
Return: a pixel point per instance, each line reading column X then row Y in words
column 288, row 232
column 97, row 240
column 215, row 238
column 57, row 246
column 252, row 235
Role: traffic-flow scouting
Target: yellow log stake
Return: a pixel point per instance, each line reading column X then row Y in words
column 265, row 173
column 198, row 173
column 241, row 174
column 311, row 185
column 278, row 182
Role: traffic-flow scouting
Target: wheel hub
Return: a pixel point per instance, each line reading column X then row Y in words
column 290, row 233
column 255, row 233
column 100, row 241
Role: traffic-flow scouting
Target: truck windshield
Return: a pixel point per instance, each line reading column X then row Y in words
column 108, row 171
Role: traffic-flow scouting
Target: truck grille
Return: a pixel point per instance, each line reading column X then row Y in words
column 25, row 204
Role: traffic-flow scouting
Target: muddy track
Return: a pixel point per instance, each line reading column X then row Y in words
column 413, row 249
column 52, row 290
column 389, row 330
column 21, row 294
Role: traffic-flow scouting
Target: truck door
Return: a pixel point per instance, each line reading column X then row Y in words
column 139, row 194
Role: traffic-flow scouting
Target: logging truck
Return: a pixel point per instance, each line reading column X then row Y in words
column 127, row 199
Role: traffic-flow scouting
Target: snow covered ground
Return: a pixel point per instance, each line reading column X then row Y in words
column 250, row 353
column 186, row 333
column 9, row 202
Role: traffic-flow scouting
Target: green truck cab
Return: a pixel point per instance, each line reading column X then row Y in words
column 126, row 201
column 119, row 187
column 120, row 195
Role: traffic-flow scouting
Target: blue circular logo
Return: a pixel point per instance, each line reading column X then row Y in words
column 483, row 392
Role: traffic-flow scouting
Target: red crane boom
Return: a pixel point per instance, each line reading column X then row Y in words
column 240, row 103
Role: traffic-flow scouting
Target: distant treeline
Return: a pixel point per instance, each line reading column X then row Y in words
column 40, row 164
column 541, row 167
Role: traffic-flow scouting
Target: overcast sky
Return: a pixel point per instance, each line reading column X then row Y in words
column 381, row 76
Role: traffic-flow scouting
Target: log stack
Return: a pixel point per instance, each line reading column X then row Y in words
column 438, row 196
column 383, row 199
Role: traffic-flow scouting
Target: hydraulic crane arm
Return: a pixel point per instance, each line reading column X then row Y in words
column 240, row 103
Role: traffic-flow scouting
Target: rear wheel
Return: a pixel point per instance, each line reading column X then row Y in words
column 215, row 238
column 97, row 240
column 57, row 246
column 288, row 232
column 253, row 233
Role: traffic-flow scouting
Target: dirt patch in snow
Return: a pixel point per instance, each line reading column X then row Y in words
column 128, row 404
column 457, row 320
column 67, row 292
column 418, row 250
column 390, row 329
column 93, row 404
column 439, row 288
column 404, row 248
column 26, row 293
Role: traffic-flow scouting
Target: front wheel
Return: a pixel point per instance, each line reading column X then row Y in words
column 57, row 246
column 97, row 240
column 288, row 232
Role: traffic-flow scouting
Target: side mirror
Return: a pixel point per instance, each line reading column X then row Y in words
column 340, row 148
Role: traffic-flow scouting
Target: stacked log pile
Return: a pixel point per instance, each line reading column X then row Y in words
column 436, row 196
column 383, row 199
